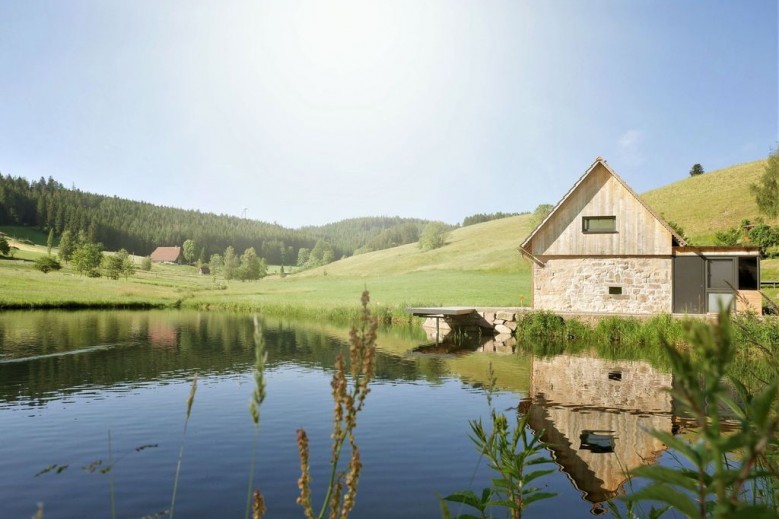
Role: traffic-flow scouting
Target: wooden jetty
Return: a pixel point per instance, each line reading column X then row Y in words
column 494, row 320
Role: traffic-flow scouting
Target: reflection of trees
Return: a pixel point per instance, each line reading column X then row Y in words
column 45, row 353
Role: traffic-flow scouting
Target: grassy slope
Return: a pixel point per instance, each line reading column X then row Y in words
column 478, row 266
column 710, row 202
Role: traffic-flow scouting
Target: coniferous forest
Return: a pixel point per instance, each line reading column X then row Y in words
column 140, row 227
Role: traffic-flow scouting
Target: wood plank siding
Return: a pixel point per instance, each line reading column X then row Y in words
column 638, row 231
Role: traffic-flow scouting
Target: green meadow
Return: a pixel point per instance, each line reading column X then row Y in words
column 478, row 266
column 711, row 202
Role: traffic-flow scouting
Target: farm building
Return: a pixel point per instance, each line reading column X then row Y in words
column 603, row 249
column 167, row 255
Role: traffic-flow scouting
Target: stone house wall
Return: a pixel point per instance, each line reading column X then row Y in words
column 581, row 284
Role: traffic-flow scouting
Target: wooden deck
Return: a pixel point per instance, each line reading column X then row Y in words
column 450, row 311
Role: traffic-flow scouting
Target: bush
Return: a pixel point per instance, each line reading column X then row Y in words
column 46, row 264
column 433, row 236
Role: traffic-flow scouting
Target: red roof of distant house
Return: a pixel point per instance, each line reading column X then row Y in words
column 171, row 254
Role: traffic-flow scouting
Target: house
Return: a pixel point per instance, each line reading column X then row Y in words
column 602, row 249
column 167, row 255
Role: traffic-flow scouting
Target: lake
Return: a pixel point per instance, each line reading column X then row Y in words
column 87, row 389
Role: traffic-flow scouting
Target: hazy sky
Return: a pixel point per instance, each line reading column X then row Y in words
column 311, row 112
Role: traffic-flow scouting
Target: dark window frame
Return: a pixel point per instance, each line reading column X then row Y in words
column 586, row 226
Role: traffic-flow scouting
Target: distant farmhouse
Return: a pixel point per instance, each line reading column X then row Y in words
column 167, row 255
column 603, row 249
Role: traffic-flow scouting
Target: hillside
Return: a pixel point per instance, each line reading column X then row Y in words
column 702, row 205
column 489, row 246
column 710, row 202
column 140, row 227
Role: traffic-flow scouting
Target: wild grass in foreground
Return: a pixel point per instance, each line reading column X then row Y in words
column 513, row 452
column 726, row 473
column 729, row 470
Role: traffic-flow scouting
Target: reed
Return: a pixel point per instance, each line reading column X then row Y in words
column 254, row 499
column 190, row 401
column 349, row 396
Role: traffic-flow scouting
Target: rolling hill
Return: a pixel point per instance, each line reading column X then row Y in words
column 710, row 202
column 702, row 205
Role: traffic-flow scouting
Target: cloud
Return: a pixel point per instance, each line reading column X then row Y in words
column 630, row 147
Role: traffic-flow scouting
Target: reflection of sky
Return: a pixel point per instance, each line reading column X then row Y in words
column 413, row 433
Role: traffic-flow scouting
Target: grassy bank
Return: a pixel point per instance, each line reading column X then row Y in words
column 479, row 266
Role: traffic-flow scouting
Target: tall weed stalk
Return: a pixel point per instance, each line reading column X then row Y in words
column 254, row 499
column 190, row 401
column 349, row 395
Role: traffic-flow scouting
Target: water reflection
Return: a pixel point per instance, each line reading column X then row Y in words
column 72, row 366
column 595, row 414
column 46, row 354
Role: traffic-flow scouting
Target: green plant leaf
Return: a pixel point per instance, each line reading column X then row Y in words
column 670, row 476
column 530, row 476
column 761, row 405
column 537, row 496
column 665, row 494
column 466, row 497
column 681, row 447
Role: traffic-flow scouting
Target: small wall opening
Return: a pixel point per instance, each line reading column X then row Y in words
column 599, row 224
column 615, row 291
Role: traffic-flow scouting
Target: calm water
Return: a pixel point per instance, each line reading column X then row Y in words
column 69, row 381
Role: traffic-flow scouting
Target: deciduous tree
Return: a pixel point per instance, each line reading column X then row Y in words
column 230, row 263
column 251, row 267
column 190, row 251
column 541, row 212
column 87, row 258
column 5, row 247
column 66, row 246
column 433, row 236
column 766, row 190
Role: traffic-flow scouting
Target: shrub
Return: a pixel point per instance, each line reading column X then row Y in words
column 46, row 264
column 433, row 236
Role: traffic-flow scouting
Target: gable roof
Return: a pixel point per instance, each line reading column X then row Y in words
column 677, row 240
column 171, row 254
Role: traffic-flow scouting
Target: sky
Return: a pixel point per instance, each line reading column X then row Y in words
column 306, row 113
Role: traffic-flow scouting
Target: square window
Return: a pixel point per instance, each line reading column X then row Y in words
column 599, row 224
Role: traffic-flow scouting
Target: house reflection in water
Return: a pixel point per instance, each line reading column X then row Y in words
column 595, row 414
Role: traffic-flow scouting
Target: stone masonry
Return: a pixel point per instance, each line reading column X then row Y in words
column 643, row 285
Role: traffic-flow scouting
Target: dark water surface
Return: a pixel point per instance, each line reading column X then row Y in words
column 90, row 387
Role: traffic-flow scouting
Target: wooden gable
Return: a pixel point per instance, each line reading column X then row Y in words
column 600, row 192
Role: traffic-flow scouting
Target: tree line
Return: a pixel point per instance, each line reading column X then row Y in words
column 140, row 227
